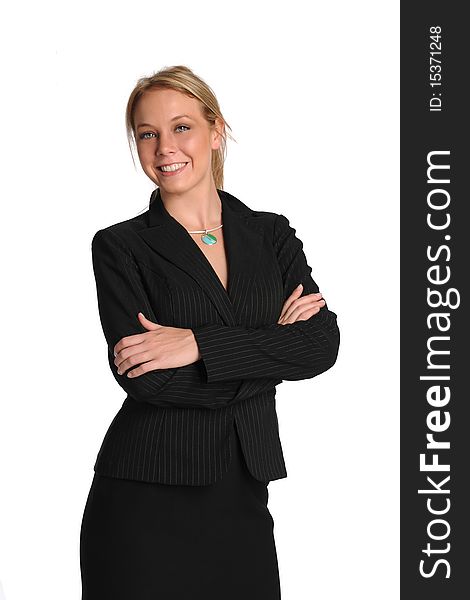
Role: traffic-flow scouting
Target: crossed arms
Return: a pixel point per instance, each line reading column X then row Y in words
column 235, row 361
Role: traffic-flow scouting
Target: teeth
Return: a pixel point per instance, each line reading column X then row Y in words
column 174, row 167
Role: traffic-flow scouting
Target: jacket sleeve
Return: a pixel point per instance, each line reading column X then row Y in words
column 294, row 351
column 121, row 295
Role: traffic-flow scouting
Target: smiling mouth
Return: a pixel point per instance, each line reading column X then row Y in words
column 173, row 168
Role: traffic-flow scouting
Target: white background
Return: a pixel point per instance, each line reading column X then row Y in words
column 310, row 90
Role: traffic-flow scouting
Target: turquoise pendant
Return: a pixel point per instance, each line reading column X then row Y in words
column 209, row 239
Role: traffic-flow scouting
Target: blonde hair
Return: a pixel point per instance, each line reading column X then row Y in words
column 182, row 79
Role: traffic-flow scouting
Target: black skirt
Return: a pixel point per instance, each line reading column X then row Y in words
column 152, row 541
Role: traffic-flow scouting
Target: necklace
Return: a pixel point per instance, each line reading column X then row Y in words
column 207, row 237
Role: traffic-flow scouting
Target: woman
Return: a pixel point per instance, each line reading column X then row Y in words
column 200, row 306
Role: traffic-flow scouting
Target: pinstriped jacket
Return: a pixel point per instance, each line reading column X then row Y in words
column 174, row 424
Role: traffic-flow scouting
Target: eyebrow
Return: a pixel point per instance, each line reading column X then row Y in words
column 173, row 119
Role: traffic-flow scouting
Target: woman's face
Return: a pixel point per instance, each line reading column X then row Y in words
column 164, row 137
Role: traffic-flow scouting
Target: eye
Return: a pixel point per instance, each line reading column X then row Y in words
column 142, row 135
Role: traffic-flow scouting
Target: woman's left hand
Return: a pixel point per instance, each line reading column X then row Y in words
column 297, row 308
column 160, row 347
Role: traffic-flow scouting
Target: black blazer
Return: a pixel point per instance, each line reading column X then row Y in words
column 174, row 424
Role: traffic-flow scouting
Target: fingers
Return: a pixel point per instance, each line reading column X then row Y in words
column 137, row 338
column 131, row 357
column 133, row 352
column 142, row 368
column 295, row 294
column 130, row 340
column 302, row 313
column 300, row 308
column 294, row 306
column 306, row 314
column 166, row 347
column 304, row 303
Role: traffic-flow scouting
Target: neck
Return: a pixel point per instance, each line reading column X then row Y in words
column 198, row 208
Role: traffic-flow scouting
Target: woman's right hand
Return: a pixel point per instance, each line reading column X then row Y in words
column 300, row 309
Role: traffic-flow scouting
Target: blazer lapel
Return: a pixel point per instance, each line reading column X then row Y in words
column 243, row 241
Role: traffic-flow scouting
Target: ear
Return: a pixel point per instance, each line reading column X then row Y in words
column 217, row 131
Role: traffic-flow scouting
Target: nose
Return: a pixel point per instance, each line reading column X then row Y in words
column 165, row 144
